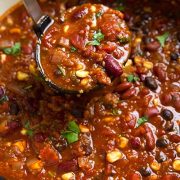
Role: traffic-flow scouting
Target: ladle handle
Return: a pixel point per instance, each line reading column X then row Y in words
column 41, row 21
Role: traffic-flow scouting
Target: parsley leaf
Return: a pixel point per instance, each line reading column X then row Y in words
column 99, row 14
column 14, row 50
column 4, row 99
column 162, row 38
column 97, row 38
column 120, row 8
column 29, row 130
column 72, row 132
column 141, row 121
column 73, row 49
column 132, row 78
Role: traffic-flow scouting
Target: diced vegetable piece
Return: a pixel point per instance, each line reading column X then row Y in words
column 21, row 145
column 141, row 121
column 14, row 50
column 148, row 64
column 35, row 165
column 114, row 156
column 178, row 148
column 21, row 76
column 123, row 142
column 83, row 128
column 82, row 73
column 68, row 176
column 155, row 166
column 176, row 165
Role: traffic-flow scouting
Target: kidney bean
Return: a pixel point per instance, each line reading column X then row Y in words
column 14, row 108
column 175, row 138
column 27, row 48
column 2, row 92
column 152, row 46
column 167, row 114
column 13, row 125
column 39, row 137
column 123, row 86
column 166, row 99
column 170, row 177
column 151, row 112
column 135, row 143
column 134, row 176
column 129, row 93
column 68, row 166
column 144, row 91
column 150, row 139
column 79, row 13
column 112, row 66
column 160, row 73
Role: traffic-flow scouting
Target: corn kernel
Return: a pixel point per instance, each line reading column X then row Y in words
column 79, row 66
column 84, row 81
column 66, row 28
column 123, row 142
column 156, row 102
column 178, row 148
column 155, row 166
column 137, row 41
column 82, row 73
column 32, row 69
column 23, row 131
column 83, row 128
column 114, row 156
column 35, row 164
column 176, row 165
column 21, row 145
column 148, row 64
column 15, row 30
column 128, row 63
column 68, row 176
column 93, row 8
column 3, row 58
column 8, row 144
column 21, row 76
column 109, row 119
column 138, row 60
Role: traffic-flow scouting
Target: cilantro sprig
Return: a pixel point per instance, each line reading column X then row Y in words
column 142, row 120
column 162, row 38
column 29, row 130
column 97, row 38
column 72, row 132
column 14, row 50
column 3, row 99
column 132, row 78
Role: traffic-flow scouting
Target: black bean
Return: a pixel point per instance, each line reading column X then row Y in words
column 145, row 171
column 174, row 56
column 150, row 83
column 14, row 108
column 162, row 142
column 178, row 36
column 2, row 92
column 77, row 112
column 146, row 16
column 87, row 149
column 167, row 114
column 161, row 157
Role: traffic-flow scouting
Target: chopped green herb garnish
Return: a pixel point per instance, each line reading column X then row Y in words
column 162, row 39
column 132, row 78
column 61, row 70
column 97, row 38
column 73, row 49
column 116, row 112
column 123, row 39
column 120, row 8
column 141, row 121
column 14, row 50
column 99, row 14
column 29, row 130
column 4, row 99
column 72, row 132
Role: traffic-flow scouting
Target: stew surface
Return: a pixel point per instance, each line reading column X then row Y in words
column 128, row 130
